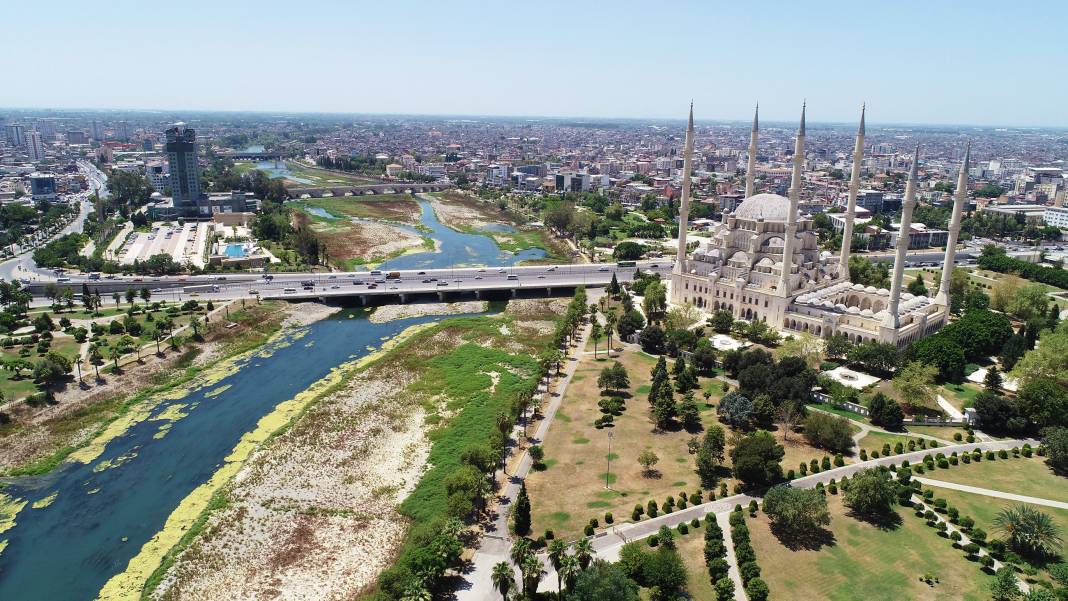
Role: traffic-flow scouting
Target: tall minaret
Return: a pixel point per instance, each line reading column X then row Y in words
column 791, row 218
column 851, row 207
column 893, row 320
column 750, row 168
column 954, row 229
column 684, row 207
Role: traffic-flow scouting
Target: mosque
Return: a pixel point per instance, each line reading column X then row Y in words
column 763, row 262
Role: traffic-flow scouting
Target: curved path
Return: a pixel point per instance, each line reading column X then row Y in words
column 998, row 494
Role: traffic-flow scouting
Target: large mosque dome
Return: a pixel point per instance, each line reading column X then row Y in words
column 769, row 207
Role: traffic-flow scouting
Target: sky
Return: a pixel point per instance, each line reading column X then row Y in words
column 937, row 62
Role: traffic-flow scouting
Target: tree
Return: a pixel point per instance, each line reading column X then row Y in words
column 521, row 511
column 871, row 493
column 915, row 383
column 533, row 569
column 584, row 552
column 631, row 322
column 503, row 579
column 997, row 414
column 829, row 432
column 735, row 409
column 96, row 358
column 838, row 346
column 1055, row 441
column 796, row 512
column 568, row 572
column 648, row 459
column 651, row 340
column 603, row 580
column 710, row 456
column 596, row 333
column 556, row 552
column 786, row 418
column 131, row 295
column 1029, row 530
column 609, row 327
column 722, row 321
column 917, row 286
column 1013, row 351
column 756, row 459
column 942, row 354
column 1004, row 586
column 146, row 294
column 613, row 286
column 627, row 251
column 804, row 346
column 664, row 573
column 689, row 413
column 51, row 369
column 884, row 411
column 654, row 300
column 1048, row 360
column 877, row 357
column 992, row 380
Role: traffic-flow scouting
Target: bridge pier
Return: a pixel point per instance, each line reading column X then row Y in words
column 404, row 299
column 515, row 292
column 363, row 300
column 478, row 295
column 441, row 296
column 548, row 291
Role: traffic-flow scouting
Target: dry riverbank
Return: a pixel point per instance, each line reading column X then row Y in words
column 394, row 312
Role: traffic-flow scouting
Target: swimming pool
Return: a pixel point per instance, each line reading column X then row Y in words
column 235, row 250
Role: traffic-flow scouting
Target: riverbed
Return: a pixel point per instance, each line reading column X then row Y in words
column 82, row 524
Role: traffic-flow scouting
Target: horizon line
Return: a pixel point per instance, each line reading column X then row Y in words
column 883, row 124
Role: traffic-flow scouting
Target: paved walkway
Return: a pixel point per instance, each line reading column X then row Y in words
column 497, row 541
column 992, row 493
column 723, row 519
column 950, row 410
column 866, row 429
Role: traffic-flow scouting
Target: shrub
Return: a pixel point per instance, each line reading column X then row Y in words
column 955, row 536
column 790, row 475
column 695, row 523
column 966, row 523
column 594, row 523
column 608, row 518
column 654, row 540
column 744, row 553
column 943, row 463
column 724, row 586
column 652, row 509
column 875, row 454
column 971, row 549
column 695, row 498
column 953, row 460
column 1026, row 452
column 635, row 516
column 814, row 467
column 899, row 448
column 978, row 535
column 753, row 508
column 588, row 530
column 970, row 438
column 957, row 436
column 990, row 456
column 966, row 458
column 988, row 561
column 736, row 518
column 803, row 468
column 977, row 455
column 717, row 568
column 683, row 528
column 549, row 534
column 756, row 590
column 638, row 509
column 749, row 570
column 825, row 464
column 839, row 461
column 1003, row 454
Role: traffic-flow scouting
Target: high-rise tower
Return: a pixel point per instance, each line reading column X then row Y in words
column 750, row 167
column 181, row 149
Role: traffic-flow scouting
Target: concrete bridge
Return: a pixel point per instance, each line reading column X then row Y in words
column 238, row 155
column 392, row 188
column 447, row 285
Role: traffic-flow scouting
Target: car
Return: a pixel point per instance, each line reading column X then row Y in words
column 334, row 287
column 157, row 290
column 198, row 294
column 380, row 280
column 253, row 291
column 357, row 282
column 602, row 269
column 443, row 283
column 553, row 268
column 478, row 277
column 421, row 273
column 657, row 266
column 289, row 291
column 482, row 271
column 457, row 280
column 220, row 278
column 501, row 270
column 372, row 286
column 541, row 277
column 392, row 287
column 433, row 279
column 426, row 280
column 333, row 277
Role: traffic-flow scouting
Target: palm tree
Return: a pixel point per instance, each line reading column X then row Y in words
column 533, row 569
column 503, row 578
column 595, row 334
column 609, row 325
column 520, row 550
column 1029, row 530
column 158, row 334
column 568, row 571
column 584, row 552
column 96, row 358
column 557, row 551
column 115, row 353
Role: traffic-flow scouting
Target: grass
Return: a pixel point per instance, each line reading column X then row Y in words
column 862, row 561
column 874, row 441
column 961, row 396
column 691, row 548
column 386, row 207
column 1030, row 477
column 984, row 510
column 941, row 432
column 580, row 468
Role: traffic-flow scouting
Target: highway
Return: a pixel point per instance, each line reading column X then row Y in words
column 21, row 266
column 473, row 280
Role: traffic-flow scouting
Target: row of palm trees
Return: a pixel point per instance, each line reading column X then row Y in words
column 568, row 566
column 163, row 329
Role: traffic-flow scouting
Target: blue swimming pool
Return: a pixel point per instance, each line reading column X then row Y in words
column 235, row 250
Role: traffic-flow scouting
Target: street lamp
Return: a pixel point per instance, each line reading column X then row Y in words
column 608, row 474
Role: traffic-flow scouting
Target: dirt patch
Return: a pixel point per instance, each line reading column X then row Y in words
column 302, row 314
column 393, row 312
column 364, row 241
column 312, row 515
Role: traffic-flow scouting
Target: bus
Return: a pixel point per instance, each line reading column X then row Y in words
column 626, row 264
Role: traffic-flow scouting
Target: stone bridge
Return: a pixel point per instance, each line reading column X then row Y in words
column 394, row 188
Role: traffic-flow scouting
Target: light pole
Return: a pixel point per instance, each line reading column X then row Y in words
column 608, row 474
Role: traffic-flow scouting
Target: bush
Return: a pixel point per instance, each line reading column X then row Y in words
column 970, row 438
column 748, row 571
column 957, row 436
column 990, row 456
column 683, row 528
column 638, row 509
column 828, row 432
column 725, row 588
column 971, row 549
column 756, row 590
column 635, row 516
column 839, row 461
column 652, row 509
column 955, row 536
column 790, row 475
column 653, row 540
column 966, row 458
column 1003, row 454
column 588, row 530
column 695, row 523
column 549, row 534
column 863, row 455
column 608, row 519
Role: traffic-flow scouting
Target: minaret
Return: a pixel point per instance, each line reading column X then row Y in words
column 954, row 230
column 684, row 207
column 851, row 206
column 750, row 168
column 893, row 320
column 791, row 218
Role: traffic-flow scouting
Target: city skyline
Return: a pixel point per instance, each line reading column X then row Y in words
column 460, row 60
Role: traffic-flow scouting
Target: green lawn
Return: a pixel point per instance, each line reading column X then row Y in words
column 942, row 432
column 874, row 441
column 984, row 510
column 1030, row 477
column 692, row 550
column 960, row 396
column 862, row 561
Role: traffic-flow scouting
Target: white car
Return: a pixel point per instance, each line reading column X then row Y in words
column 602, row 269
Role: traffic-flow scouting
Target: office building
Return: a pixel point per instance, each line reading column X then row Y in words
column 16, row 134
column 43, row 186
column 181, row 150
column 35, row 146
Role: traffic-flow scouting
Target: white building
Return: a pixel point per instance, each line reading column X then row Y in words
column 35, row 146
column 1056, row 216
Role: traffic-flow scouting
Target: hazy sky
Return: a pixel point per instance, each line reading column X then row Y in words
column 932, row 61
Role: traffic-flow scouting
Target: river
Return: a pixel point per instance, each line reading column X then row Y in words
column 104, row 511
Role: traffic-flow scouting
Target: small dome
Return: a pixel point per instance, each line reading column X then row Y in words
column 866, row 313
column 908, row 296
column 840, row 307
column 882, row 314
column 858, row 287
column 853, row 310
column 870, row 290
column 882, row 292
column 769, row 207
